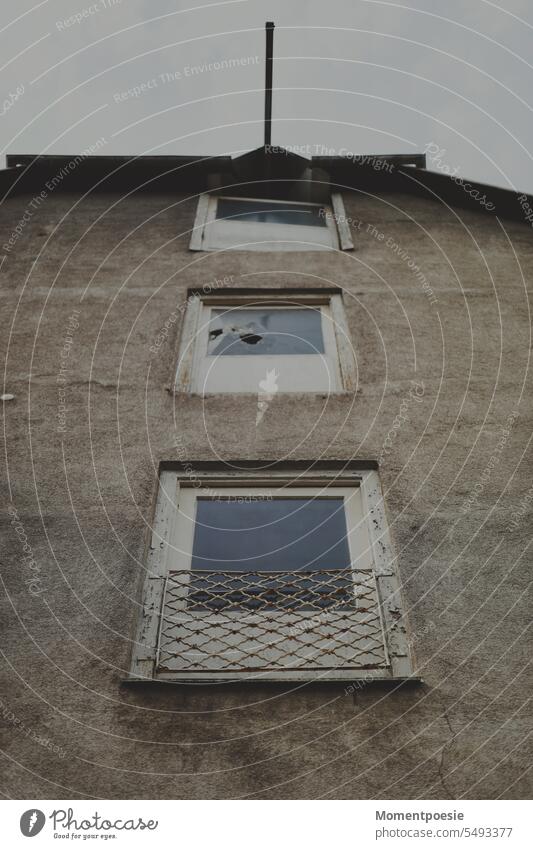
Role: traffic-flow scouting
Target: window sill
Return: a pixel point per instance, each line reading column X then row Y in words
column 337, row 393
column 278, row 678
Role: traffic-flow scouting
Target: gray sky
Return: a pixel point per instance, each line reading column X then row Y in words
column 359, row 76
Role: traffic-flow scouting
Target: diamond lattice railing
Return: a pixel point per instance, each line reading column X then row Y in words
column 253, row 621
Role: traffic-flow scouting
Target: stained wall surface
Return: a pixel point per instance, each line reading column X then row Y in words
column 93, row 291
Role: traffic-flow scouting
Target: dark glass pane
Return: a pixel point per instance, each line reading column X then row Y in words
column 267, row 212
column 282, row 534
column 244, row 332
column 270, row 556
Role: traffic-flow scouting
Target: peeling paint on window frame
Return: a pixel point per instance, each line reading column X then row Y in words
column 189, row 350
column 262, row 236
column 174, row 481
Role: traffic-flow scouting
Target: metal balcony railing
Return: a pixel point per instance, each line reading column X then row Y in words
column 251, row 621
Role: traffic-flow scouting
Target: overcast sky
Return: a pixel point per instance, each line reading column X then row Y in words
column 360, row 76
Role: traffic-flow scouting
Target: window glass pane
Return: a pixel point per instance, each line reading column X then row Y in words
column 285, row 554
column 244, row 332
column 268, row 212
column 250, row 533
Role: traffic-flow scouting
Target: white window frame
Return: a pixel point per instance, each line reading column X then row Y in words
column 335, row 370
column 212, row 234
column 171, row 545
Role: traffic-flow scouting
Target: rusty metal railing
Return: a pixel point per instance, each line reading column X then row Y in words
column 241, row 621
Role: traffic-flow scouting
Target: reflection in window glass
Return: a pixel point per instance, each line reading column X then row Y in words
column 244, row 332
column 280, row 534
column 267, row 212
column 255, row 555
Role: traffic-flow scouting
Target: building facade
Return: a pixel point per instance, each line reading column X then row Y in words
column 190, row 337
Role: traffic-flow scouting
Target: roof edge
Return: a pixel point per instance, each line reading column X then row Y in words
column 380, row 174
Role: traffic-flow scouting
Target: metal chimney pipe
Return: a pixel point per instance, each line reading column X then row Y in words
column 269, row 28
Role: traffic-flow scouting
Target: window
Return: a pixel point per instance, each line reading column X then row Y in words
column 266, row 343
column 262, row 224
column 287, row 575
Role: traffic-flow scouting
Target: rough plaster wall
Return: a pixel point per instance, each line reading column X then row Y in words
column 85, row 498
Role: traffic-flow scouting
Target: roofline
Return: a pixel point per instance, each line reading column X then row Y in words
column 14, row 160
column 372, row 173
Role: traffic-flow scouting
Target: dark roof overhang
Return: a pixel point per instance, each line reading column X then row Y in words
column 376, row 174
column 270, row 163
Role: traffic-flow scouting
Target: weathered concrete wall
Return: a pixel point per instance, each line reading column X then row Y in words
column 84, row 500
